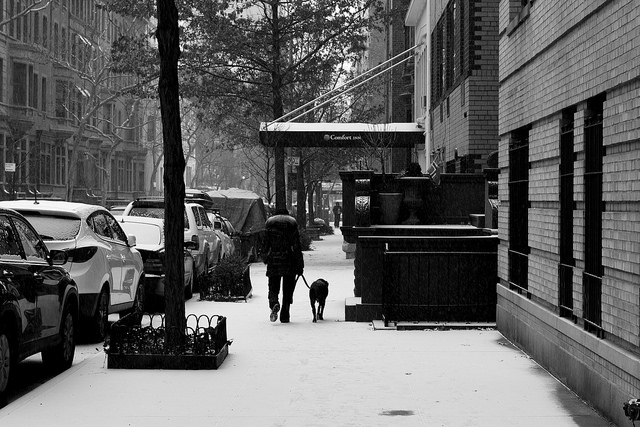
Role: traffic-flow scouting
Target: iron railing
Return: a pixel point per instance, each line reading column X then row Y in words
column 145, row 334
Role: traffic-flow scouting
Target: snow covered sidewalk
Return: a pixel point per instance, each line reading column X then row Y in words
column 329, row 373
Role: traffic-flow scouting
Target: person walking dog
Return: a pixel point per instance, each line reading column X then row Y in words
column 282, row 253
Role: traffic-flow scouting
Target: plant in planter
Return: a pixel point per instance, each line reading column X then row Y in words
column 228, row 281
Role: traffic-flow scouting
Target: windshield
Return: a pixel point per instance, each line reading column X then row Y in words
column 149, row 212
column 154, row 212
column 54, row 227
column 146, row 234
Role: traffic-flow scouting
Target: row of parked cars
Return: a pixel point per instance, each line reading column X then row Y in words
column 64, row 267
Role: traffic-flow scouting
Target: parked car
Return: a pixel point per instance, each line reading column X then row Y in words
column 101, row 257
column 192, row 195
column 197, row 229
column 149, row 234
column 226, row 234
column 38, row 300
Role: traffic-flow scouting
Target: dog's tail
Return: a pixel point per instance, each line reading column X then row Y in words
column 303, row 278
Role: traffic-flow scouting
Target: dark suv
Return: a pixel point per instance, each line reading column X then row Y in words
column 38, row 300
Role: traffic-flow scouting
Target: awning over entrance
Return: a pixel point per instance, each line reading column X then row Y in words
column 338, row 134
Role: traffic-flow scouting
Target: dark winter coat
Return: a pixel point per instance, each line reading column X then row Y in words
column 282, row 251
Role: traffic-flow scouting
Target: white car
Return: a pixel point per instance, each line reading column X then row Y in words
column 149, row 234
column 197, row 229
column 101, row 258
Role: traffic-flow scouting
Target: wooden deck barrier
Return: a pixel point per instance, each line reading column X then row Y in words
column 439, row 286
column 448, row 278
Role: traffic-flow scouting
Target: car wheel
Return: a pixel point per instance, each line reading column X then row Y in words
column 60, row 357
column 6, row 360
column 201, row 279
column 138, row 306
column 99, row 323
column 207, row 263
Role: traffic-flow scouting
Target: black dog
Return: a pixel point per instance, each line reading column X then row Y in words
column 318, row 292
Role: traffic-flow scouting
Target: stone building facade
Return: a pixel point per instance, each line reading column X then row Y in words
column 52, row 62
column 569, row 188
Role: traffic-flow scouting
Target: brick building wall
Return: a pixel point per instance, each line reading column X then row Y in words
column 464, row 116
column 556, row 56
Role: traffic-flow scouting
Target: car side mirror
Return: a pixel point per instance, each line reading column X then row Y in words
column 131, row 240
column 58, row 257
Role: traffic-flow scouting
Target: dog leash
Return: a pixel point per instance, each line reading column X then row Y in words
column 303, row 278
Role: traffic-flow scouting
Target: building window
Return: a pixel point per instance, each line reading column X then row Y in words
column 60, row 160
column 44, row 94
column 519, row 209
column 107, row 117
column 34, row 91
column 128, row 183
column 63, row 44
column 21, row 160
column 62, row 98
column 565, row 270
column 151, row 129
column 56, row 41
column 518, row 13
column 11, row 12
column 46, row 158
column 30, row 86
column 25, row 28
column 449, row 53
column 20, row 84
column 45, row 32
column 120, row 175
column 36, row 27
column 592, row 276
column 18, row 20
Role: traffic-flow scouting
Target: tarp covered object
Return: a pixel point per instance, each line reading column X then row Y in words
column 243, row 208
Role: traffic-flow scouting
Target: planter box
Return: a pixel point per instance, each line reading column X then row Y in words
column 132, row 346
column 164, row 361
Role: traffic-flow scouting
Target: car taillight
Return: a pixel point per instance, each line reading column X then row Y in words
column 82, row 254
column 195, row 240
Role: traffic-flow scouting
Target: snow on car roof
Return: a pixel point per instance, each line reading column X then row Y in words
column 53, row 207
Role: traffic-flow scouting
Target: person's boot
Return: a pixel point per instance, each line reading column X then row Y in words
column 284, row 314
column 274, row 312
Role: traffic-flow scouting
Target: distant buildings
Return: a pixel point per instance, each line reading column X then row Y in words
column 54, row 91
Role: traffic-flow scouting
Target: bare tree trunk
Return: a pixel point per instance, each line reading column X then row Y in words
column 278, row 109
column 174, row 164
